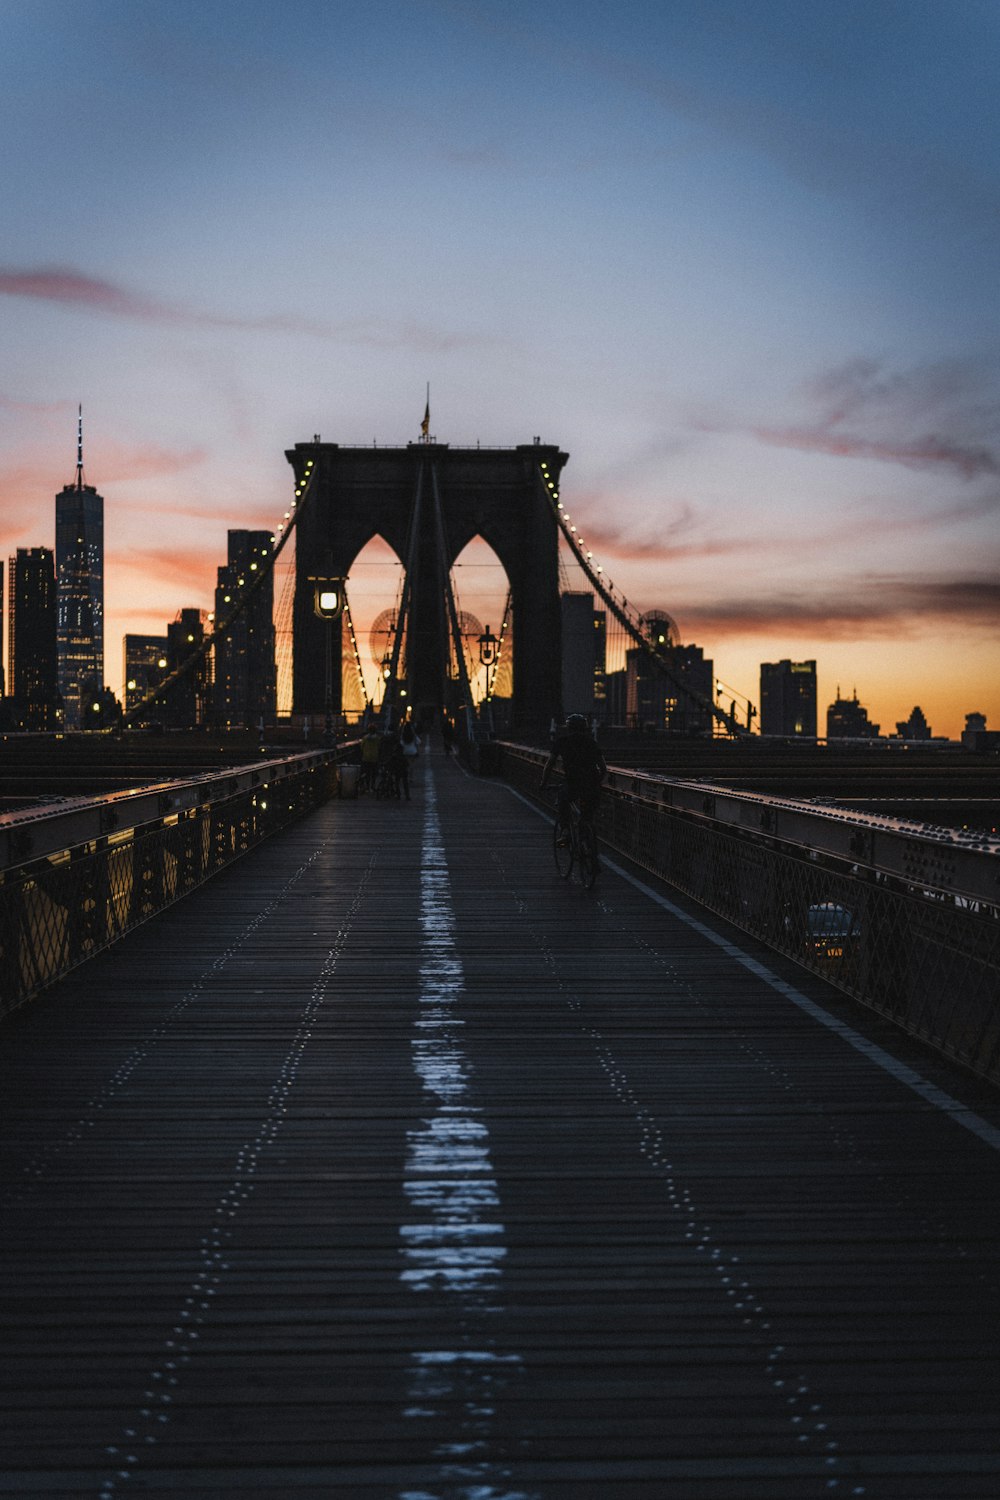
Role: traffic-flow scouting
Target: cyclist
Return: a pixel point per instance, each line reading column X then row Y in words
column 583, row 765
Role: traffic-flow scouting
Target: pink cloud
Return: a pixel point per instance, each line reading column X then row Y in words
column 167, row 568
column 70, row 287
column 117, row 462
column 921, row 453
column 66, row 287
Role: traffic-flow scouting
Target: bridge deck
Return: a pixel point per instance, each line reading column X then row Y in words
column 391, row 1166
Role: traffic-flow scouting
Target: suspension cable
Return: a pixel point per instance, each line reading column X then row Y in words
column 621, row 611
column 465, row 686
column 246, row 592
column 348, row 617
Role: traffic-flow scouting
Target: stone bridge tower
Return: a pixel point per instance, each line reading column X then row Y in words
column 428, row 500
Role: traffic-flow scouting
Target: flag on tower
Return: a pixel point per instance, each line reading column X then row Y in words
column 425, row 425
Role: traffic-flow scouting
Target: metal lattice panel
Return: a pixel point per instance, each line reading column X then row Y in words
column 925, row 957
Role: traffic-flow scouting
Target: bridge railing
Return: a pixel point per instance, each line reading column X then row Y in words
column 901, row 916
column 78, row 874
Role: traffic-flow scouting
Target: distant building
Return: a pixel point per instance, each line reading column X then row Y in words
column 788, row 698
column 584, row 655
column 975, row 735
column 846, row 718
column 915, row 727
column 143, row 668
column 245, row 672
column 3, row 675
column 79, row 593
column 31, row 640
column 677, row 700
column 187, row 705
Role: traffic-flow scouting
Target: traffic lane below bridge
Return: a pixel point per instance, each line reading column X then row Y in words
column 408, row 1170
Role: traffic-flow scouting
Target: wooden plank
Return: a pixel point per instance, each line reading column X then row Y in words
column 396, row 1185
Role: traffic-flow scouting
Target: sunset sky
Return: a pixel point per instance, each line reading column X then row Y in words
column 739, row 259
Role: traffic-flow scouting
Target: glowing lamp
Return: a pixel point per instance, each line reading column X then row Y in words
column 328, row 597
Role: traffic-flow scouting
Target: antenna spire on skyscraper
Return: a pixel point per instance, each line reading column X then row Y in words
column 79, row 447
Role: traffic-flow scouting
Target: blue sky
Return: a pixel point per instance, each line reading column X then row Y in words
column 740, row 260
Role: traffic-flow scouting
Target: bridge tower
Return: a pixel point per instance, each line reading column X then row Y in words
column 428, row 500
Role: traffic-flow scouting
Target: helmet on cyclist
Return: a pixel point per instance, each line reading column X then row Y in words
column 577, row 724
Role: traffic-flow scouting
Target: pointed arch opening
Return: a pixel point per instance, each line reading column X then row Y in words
column 483, row 600
column 374, row 595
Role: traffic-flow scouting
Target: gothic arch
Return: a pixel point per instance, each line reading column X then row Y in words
column 428, row 501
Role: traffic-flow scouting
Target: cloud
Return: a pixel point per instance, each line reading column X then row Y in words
column 164, row 568
column 680, row 537
column 922, row 453
column 66, row 287
column 606, row 540
column 872, row 606
column 117, row 462
column 35, row 408
column 942, row 414
column 939, row 416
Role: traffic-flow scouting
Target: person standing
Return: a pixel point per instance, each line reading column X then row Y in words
column 409, row 745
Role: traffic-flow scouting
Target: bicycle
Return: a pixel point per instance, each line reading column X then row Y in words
column 574, row 842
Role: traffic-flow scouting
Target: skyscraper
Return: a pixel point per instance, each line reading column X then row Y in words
column 145, row 666
column 31, row 639
column 187, row 703
column 79, row 591
column 245, row 673
column 788, row 698
column 583, row 652
column 846, row 718
column 3, row 688
column 680, row 704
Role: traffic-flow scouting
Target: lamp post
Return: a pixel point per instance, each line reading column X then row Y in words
column 489, row 651
column 386, row 670
column 328, row 602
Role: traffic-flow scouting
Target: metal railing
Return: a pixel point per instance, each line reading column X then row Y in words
column 901, row 916
column 78, row 874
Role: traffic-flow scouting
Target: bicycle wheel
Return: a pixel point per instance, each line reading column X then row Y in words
column 562, row 847
column 589, row 864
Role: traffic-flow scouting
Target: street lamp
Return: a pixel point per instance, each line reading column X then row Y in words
column 328, row 603
column 489, row 652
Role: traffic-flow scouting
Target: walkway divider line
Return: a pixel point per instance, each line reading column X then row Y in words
column 454, row 1248
column 901, row 1072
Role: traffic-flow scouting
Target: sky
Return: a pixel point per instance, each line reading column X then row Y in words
column 739, row 260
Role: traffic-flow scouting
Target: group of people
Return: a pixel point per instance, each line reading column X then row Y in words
column 386, row 757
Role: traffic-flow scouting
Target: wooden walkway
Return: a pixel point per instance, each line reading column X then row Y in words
column 391, row 1166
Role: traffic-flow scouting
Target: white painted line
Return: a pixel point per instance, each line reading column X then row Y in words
column 903, row 1074
column 454, row 1249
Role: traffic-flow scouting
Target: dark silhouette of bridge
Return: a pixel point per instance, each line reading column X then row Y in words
column 388, row 1164
column 427, row 501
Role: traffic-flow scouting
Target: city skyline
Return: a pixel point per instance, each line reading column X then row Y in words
column 738, row 263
